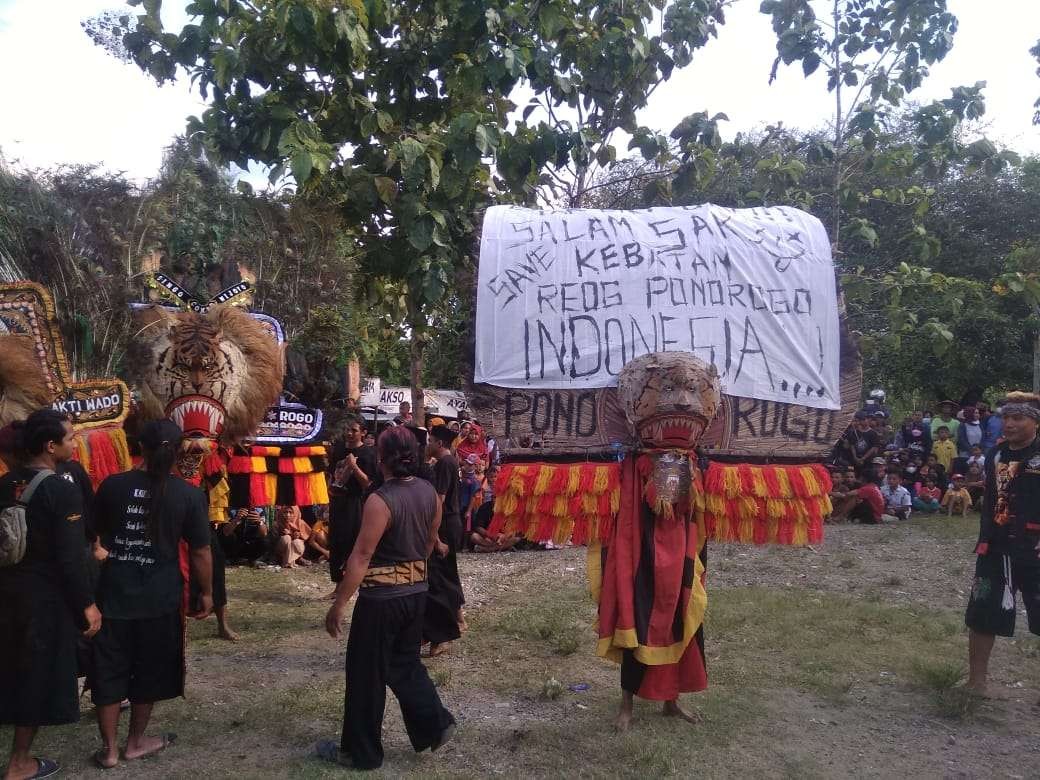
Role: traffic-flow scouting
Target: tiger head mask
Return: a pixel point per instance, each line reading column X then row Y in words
column 214, row 374
column 23, row 383
column 669, row 398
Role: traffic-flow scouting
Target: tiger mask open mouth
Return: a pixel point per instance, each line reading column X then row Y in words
column 669, row 398
column 215, row 374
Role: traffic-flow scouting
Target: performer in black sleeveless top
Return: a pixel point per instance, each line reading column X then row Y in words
column 387, row 568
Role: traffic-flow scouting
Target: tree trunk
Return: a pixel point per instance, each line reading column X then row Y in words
column 838, row 139
column 415, row 351
column 1036, row 363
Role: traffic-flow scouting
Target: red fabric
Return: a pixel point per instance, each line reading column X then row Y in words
column 478, row 448
column 871, row 493
column 675, row 540
column 184, row 561
column 665, row 683
column 616, row 600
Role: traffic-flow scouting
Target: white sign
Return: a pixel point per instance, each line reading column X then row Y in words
column 566, row 298
column 388, row 399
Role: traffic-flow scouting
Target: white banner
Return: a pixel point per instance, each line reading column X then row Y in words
column 566, row 298
column 388, row 399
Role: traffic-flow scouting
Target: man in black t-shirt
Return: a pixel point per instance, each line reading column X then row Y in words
column 1009, row 538
column 353, row 474
column 144, row 518
column 45, row 598
column 860, row 443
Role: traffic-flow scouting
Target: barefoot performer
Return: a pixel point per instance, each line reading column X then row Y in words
column 387, row 569
column 1009, row 537
column 606, row 376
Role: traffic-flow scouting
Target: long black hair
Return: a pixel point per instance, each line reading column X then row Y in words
column 160, row 443
column 39, row 429
column 398, row 451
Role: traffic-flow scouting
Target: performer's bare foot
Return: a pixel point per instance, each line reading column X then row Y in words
column 147, row 746
column 436, row 650
column 460, row 618
column 624, row 716
column 673, row 710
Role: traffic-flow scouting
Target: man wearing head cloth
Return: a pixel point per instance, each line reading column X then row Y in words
column 1009, row 537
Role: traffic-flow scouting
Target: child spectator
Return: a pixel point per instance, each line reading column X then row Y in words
column 975, row 484
column 977, row 458
column 937, row 471
column 944, row 449
column 897, row 498
column 928, row 497
column 957, row 498
column 910, row 480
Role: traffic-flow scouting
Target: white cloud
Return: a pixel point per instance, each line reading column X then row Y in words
column 66, row 100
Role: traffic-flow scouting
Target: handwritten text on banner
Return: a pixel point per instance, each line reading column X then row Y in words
column 566, row 298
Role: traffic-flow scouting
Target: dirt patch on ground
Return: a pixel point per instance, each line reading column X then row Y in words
column 820, row 662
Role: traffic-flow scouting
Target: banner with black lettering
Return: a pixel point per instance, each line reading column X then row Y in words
column 566, row 298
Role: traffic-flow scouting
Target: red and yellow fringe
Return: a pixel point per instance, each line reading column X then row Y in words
column 766, row 504
column 102, row 452
column 288, row 475
column 556, row 501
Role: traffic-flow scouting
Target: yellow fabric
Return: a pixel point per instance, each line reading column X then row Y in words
column 612, row 648
column 945, row 452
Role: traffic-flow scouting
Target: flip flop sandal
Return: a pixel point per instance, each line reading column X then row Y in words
column 167, row 740
column 45, row 768
column 327, row 750
column 98, row 759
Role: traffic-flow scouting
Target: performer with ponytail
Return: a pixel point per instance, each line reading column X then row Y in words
column 143, row 517
column 387, row 568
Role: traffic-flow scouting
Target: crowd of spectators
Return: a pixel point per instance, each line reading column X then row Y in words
column 931, row 463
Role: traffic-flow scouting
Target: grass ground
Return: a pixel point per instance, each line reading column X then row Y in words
column 839, row 661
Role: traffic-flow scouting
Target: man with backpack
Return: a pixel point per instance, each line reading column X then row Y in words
column 45, row 597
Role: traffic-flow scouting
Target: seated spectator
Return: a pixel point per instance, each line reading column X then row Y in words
column 957, row 498
column 977, row 458
column 290, row 537
column 975, row 484
column 879, row 469
column 318, row 543
column 244, row 536
column 897, row 498
column 937, row 470
column 909, row 481
column 483, row 542
column 928, row 497
column 862, row 502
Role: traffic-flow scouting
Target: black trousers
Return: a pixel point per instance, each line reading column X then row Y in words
column 383, row 651
column 219, row 574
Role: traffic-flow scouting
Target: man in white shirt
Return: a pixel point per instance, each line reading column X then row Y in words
column 897, row 497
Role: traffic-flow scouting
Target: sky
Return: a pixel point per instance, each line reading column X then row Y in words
column 77, row 104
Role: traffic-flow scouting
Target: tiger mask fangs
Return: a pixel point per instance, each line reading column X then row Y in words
column 669, row 398
column 215, row 374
